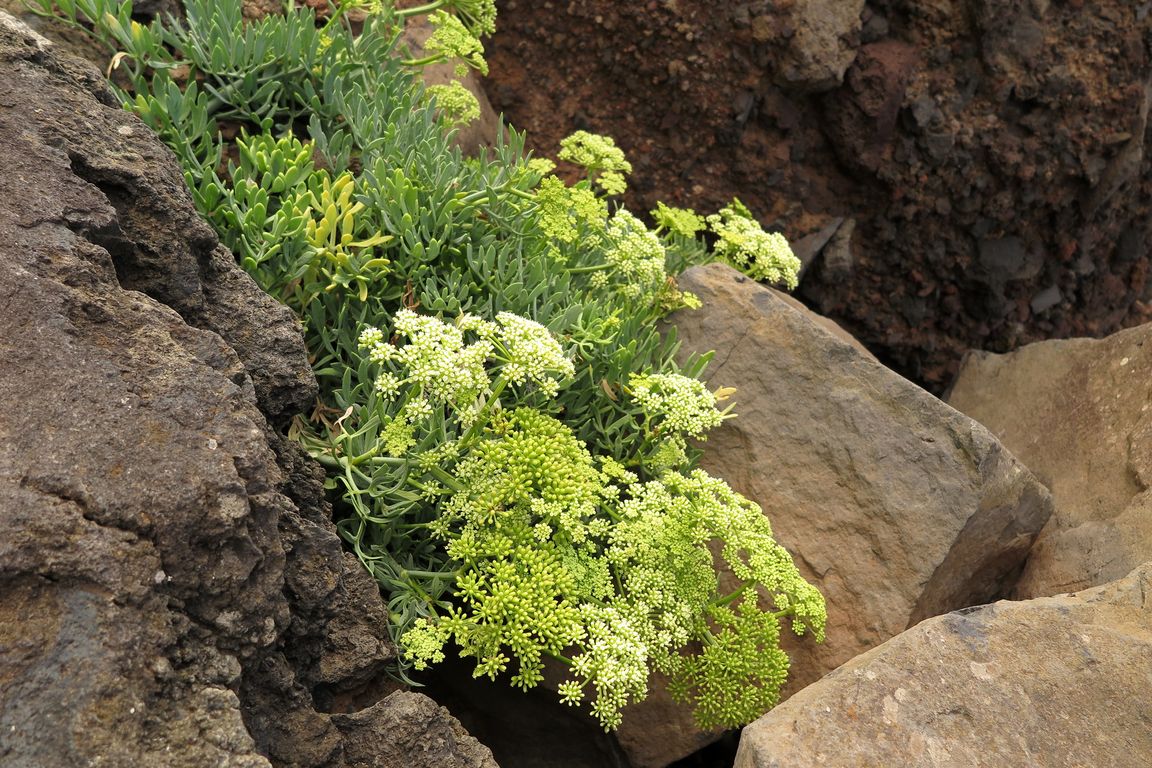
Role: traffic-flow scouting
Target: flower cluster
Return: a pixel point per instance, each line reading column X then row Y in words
column 636, row 255
column 527, row 352
column 563, row 209
column 660, row 552
column 682, row 221
column 739, row 671
column 747, row 247
column 676, row 403
column 478, row 15
column 452, row 40
column 599, row 155
column 442, row 364
column 534, row 467
column 436, row 359
column 510, row 595
column 456, row 103
column 614, row 662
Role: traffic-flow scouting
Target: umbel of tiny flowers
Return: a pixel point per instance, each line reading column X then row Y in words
column 455, row 363
column 456, row 103
column 563, row 210
column 636, row 255
column 452, row 40
column 682, row 221
column 674, row 403
column 479, row 16
column 599, row 155
column 746, row 246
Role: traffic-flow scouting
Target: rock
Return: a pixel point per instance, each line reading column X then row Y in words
column 897, row 507
column 1050, row 682
column 407, row 730
column 172, row 590
column 1076, row 413
column 823, row 45
column 809, row 247
column 524, row 729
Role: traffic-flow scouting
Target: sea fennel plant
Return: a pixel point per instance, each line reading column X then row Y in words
column 505, row 429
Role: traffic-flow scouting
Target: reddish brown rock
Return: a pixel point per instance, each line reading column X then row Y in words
column 991, row 155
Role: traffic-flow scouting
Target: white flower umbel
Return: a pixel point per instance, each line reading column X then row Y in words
column 529, row 353
column 676, row 403
column 636, row 255
column 456, row 363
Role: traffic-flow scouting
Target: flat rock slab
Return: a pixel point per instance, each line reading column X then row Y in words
column 1063, row 681
column 896, row 506
column 1078, row 412
column 172, row 592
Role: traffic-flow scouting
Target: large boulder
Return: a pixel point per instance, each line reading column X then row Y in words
column 172, row 591
column 1076, row 412
column 1058, row 681
column 896, row 506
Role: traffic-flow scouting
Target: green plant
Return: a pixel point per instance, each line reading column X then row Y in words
column 504, row 427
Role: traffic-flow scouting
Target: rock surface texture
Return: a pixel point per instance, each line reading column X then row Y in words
column 896, row 506
column 974, row 173
column 1079, row 414
column 171, row 590
column 1058, row 681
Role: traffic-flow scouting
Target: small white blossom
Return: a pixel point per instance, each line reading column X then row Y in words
column 678, row 403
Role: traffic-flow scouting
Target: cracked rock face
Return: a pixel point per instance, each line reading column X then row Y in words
column 171, row 589
column 1049, row 682
column 1079, row 414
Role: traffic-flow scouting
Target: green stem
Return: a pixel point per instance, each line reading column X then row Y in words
column 585, row 270
column 435, row 5
column 431, row 59
column 739, row 592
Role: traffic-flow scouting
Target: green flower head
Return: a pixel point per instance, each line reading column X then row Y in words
column 682, row 221
column 599, row 155
column 456, row 103
column 452, row 40
column 747, row 247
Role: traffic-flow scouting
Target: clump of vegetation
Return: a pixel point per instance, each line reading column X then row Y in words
column 505, row 429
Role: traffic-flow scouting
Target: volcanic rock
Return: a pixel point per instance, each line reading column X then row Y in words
column 896, row 506
column 1053, row 682
column 172, row 591
column 1077, row 413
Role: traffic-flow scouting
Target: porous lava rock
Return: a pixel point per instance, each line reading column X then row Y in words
column 1059, row 681
column 982, row 164
column 172, row 591
column 1078, row 412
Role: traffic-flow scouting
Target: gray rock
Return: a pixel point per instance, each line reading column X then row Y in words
column 897, row 507
column 171, row 588
column 1051, row 682
column 809, row 247
column 407, row 730
column 823, row 46
column 1076, row 412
